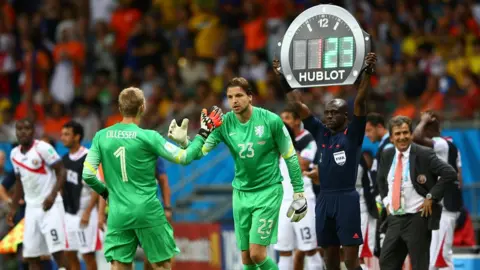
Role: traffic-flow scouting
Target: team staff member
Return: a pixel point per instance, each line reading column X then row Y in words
column 410, row 187
column 376, row 131
column 339, row 142
column 80, row 202
column 427, row 133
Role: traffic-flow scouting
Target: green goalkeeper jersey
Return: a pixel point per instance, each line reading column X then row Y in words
column 128, row 155
column 256, row 147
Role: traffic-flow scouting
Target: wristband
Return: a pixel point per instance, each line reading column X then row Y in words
column 167, row 208
column 204, row 133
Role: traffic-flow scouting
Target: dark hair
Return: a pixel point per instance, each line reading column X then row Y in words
column 376, row 119
column 27, row 120
column 398, row 121
column 242, row 83
column 76, row 128
column 291, row 108
column 434, row 125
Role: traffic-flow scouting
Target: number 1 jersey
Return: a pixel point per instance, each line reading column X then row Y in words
column 128, row 155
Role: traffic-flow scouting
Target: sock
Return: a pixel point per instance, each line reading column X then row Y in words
column 267, row 264
column 285, row 263
column 249, row 267
column 315, row 262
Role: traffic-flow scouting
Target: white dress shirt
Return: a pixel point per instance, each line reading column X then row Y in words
column 411, row 201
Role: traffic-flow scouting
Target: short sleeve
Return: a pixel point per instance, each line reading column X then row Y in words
column 356, row 129
column 47, row 153
column 440, row 147
column 309, row 151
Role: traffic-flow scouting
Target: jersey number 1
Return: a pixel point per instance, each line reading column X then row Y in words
column 120, row 153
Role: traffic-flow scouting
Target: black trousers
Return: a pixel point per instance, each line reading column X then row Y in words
column 406, row 234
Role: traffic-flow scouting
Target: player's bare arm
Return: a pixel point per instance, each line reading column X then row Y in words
column 91, row 205
column 167, row 205
column 360, row 104
column 17, row 196
column 419, row 134
column 60, row 173
column 294, row 96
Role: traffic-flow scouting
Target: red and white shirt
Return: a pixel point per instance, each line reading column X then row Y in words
column 35, row 171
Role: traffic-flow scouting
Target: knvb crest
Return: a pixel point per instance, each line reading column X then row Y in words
column 259, row 131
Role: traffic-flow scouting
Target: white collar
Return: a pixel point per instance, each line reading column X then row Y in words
column 405, row 154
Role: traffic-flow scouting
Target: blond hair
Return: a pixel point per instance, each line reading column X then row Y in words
column 130, row 100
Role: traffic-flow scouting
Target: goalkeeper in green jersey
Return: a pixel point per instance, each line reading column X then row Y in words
column 256, row 138
column 128, row 155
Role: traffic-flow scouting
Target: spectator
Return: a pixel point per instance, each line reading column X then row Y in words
column 88, row 119
column 104, row 49
column 69, row 55
column 55, row 120
column 192, row 70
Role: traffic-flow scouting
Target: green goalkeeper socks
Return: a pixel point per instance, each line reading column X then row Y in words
column 249, row 267
column 267, row 264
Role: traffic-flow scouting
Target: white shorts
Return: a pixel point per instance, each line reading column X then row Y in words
column 87, row 239
column 296, row 235
column 442, row 240
column 44, row 232
column 369, row 228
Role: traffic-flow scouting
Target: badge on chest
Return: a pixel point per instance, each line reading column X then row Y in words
column 340, row 157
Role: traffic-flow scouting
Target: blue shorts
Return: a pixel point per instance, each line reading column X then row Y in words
column 338, row 218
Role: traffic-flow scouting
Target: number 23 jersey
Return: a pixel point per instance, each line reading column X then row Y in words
column 255, row 146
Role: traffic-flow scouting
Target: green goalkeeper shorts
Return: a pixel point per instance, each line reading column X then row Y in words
column 255, row 214
column 157, row 242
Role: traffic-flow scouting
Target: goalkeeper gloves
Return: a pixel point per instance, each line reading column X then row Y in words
column 298, row 208
column 179, row 133
column 210, row 122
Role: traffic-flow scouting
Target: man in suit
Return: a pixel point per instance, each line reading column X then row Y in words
column 411, row 180
column 427, row 133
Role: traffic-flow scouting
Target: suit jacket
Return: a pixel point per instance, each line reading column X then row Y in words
column 425, row 170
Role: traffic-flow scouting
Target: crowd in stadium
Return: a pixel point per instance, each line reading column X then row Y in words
column 69, row 59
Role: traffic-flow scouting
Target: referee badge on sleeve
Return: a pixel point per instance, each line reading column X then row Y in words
column 340, row 157
column 421, row 179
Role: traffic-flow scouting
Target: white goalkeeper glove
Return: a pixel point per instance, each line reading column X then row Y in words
column 298, row 208
column 179, row 133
